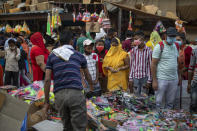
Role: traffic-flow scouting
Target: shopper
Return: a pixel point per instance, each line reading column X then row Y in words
column 22, row 66
column 92, row 62
column 116, row 67
column 126, row 45
column 80, row 41
column 140, row 68
column 192, row 85
column 39, row 55
column 101, row 52
column 165, row 70
column 184, row 55
column 154, row 40
column 12, row 56
column 110, row 35
column 65, row 63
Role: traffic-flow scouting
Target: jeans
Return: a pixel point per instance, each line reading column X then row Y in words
column 11, row 76
column 71, row 104
column 193, row 105
column 22, row 73
column 139, row 86
column 166, row 90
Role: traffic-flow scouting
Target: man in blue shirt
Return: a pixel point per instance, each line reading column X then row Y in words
column 65, row 63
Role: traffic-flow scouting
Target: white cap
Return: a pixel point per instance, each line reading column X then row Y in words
column 87, row 42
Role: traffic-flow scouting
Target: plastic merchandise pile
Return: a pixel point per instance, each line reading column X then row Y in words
column 124, row 112
column 33, row 92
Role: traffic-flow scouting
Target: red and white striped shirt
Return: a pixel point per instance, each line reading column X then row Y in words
column 140, row 63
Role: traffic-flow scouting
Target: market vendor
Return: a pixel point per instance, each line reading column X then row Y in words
column 39, row 55
column 116, row 67
column 65, row 63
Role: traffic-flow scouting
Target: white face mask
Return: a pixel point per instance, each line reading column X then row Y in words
column 12, row 48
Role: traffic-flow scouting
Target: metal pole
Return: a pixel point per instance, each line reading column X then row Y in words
column 119, row 22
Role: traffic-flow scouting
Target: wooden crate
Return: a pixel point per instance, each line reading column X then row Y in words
column 44, row 6
column 14, row 10
column 86, row 1
column 33, row 7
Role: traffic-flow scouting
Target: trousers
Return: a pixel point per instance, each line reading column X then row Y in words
column 193, row 105
column 71, row 105
column 11, row 76
column 166, row 90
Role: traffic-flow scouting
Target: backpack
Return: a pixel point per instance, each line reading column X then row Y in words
column 162, row 47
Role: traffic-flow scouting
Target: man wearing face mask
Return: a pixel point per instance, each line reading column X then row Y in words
column 140, row 68
column 12, row 56
column 165, row 70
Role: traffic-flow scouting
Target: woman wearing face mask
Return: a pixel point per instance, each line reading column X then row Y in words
column 116, row 67
column 39, row 55
column 101, row 52
column 12, row 56
column 184, row 55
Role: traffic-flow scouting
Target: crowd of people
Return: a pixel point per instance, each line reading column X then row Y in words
column 96, row 65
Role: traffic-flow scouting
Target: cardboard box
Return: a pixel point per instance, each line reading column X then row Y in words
column 44, row 6
column 16, row 2
column 33, row 2
column 86, row 1
column 92, row 27
column 15, row 10
column 12, row 112
column 27, row 2
column 33, row 7
column 152, row 9
column 6, row 7
column 170, row 14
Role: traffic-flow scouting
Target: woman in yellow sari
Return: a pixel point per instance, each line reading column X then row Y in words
column 116, row 67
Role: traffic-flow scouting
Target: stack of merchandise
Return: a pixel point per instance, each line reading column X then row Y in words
column 122, row 111
column 33, row 92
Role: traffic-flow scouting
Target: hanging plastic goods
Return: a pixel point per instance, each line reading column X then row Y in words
column 8, row 29
column 160, row 27
column 49, row 30
column 130, row 21
column 53, row 19
column 94, row 17
column 79, row 17
column 179, row 26
column 101, row 16
column 74, row 14
column 25, row 28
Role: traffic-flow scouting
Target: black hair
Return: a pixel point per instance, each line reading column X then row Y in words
column 140, row 33
column 100, row 40
column 83, row 32
column 7, row 35
column 111, row 31
column 102, row 53
column 12, row 41
column 182, row 35
column 129, row 33
column 66, row 37
column 114, row 40
column 49, row 40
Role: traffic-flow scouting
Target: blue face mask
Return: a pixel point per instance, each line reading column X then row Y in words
column 171, row 40
column 179, row 42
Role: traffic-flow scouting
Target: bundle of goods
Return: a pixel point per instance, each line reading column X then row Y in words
column 125, row 112
column 33, row 92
